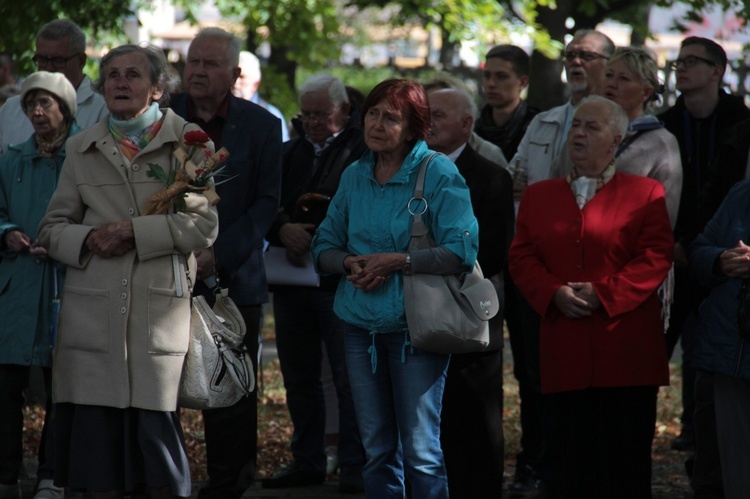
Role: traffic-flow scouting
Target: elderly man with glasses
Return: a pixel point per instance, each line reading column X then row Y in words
column 330, row 138
column 60, row 48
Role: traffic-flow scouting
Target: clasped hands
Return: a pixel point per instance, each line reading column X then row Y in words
column 577, row 299
column 369, row 272
column 112, row 239
column 18, row 242
column 735, row 262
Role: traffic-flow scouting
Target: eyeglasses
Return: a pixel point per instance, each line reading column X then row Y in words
column 690, row 61
column 315, row 115
column 55, row 62
column 584, row 55
column 43, row 102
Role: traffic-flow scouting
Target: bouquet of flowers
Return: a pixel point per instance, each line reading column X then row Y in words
column 189, row 177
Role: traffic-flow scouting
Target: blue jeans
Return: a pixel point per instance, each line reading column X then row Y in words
column 398, row 410
column 304, row 316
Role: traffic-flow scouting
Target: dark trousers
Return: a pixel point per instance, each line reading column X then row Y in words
column 471, row 427
column 523, row 330
column 232, row 432
column 304, row 317
column 683, row 327
column 732, row 398
column 706, row 481
column 600, row 442
column 13, row 380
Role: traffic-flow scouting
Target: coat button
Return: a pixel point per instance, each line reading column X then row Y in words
column 131, row 211
column 123, row 310
column 124, row 296
column 579, row 266
column 124, row 282
column 136, row 168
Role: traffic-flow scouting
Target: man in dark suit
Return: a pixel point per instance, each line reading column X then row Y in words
column 472, row 417
column 249, row 203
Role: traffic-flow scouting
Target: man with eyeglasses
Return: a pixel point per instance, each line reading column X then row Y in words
column 700, row 119
column 585, row 60
column 60, row 48
column 249, row 203
column 330, row 138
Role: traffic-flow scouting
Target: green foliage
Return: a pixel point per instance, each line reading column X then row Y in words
column 309, row 29
column 276, row 90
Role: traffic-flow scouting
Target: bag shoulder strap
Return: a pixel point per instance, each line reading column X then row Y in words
column 419, row 186
column 418, row 227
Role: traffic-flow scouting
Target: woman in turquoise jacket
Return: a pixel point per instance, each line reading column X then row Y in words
column 29, row 280
column 397, row 388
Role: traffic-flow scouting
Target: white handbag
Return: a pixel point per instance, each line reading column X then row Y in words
column 218, row 370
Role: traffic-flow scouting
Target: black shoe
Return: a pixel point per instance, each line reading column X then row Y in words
column 293, row 476
column 350, row 482
column 686, row 441
column 525, row 484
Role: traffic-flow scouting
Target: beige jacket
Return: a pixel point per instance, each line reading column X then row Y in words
column 125, row 321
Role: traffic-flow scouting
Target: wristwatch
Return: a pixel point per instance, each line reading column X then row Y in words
column 407, row 267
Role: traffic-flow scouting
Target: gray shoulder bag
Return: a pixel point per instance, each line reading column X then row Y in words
column 445, row 314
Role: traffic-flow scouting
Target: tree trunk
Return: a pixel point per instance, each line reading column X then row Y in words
column 546, row 89
column 447, row 50
column 281, row 63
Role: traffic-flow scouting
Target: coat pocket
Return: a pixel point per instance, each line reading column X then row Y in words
column 84, row 320
column 168, row 322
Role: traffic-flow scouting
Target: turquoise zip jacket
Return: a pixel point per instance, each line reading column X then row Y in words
column 27, row 182
column 365, row 217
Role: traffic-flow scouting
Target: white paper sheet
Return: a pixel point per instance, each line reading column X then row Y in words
column 280, row 271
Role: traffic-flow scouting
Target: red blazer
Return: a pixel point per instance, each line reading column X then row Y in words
column 622, row 243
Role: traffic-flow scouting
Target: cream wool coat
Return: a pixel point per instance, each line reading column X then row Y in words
column 124, row 326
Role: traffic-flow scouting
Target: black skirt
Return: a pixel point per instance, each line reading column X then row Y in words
column 100, row 449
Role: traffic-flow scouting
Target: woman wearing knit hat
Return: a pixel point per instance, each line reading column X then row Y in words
column 29, row 279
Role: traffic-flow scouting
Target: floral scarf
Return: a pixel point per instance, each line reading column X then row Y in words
column 584, row 188
column 135, row 134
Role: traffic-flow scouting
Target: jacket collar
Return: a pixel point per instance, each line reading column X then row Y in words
column 410, row 164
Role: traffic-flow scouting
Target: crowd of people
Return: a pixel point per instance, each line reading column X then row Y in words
column 609, row 233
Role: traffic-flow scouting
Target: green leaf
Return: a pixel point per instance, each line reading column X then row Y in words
column 157, row 172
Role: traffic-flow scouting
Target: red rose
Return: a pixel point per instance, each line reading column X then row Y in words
column 196, row 138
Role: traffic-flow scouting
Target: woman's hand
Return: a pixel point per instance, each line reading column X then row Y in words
column 369, row 272
column 17, row 241
column 571, row 304
column 586, row 291
column 113, row 239
column 735, row 262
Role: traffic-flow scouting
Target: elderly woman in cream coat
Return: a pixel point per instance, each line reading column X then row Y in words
column 125, row 318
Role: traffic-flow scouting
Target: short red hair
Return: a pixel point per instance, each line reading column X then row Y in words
column 408, row 97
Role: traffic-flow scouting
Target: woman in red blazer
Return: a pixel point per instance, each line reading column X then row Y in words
column 589, row 254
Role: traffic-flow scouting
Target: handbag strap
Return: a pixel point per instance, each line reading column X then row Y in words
column 418, row 227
